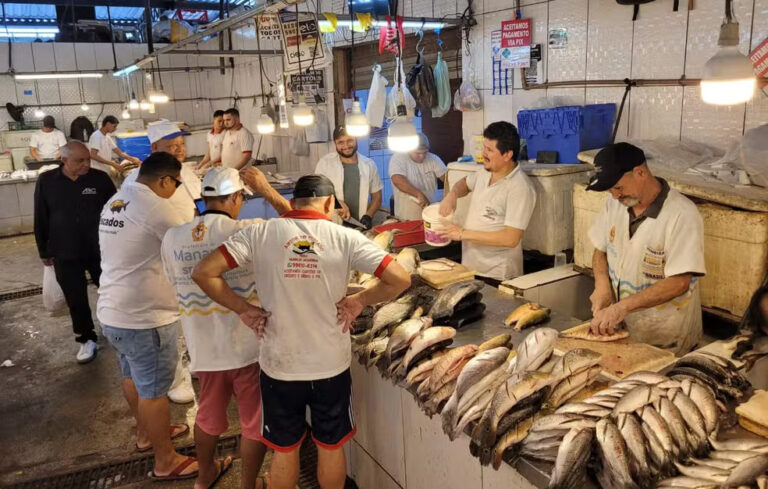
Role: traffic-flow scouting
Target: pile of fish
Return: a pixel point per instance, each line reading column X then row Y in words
column 459, row 304
column 642, row 429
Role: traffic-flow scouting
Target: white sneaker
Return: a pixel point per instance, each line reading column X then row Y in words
column 87, row 352
column 182, row 391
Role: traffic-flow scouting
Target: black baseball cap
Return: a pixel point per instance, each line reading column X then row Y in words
column 612, row 162
column 310, row 186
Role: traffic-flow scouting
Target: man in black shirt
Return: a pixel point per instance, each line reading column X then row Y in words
column 68, row 203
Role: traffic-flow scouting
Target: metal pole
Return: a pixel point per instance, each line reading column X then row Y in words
column 148, row 21
column 111, row 35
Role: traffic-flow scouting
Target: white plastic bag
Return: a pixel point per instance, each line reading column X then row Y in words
column 377, row 99
column 753, row 155
column 393, row 98
column 318, row 132
column 53, row 296
column 299, row 145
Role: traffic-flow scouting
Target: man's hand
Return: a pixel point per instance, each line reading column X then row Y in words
column 255, row 318
column 255, row 179
column 600, row 299
column 48, row 262
column 134, row 160
column 344, row 211
column 347, row 310
column 606, row 320
column 367, row 221
column 448, row 205
column 450, row 231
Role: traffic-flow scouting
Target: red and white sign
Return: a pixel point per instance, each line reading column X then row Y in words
column 759, row 58
column 515, row 33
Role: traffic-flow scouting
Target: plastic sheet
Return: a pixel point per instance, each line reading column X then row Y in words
column 442, row 86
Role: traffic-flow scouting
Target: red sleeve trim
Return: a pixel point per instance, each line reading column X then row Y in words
column 383, row 265
column 338, row 445
column 231, row 262
column 278, row 448
column 249, row 151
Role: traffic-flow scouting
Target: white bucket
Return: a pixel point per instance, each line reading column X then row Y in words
column 433, row 224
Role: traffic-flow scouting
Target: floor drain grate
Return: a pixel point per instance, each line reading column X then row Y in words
column 21, row 294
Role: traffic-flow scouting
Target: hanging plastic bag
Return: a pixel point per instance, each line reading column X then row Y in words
column 443, row 87
column 377, row 99
column 53, row 296
column 318, row 132
column 467, row 98
column 299, row 144
column 393, row 97
column 421, row 83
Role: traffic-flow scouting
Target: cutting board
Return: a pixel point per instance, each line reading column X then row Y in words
column 620, row 358
column 442, row 279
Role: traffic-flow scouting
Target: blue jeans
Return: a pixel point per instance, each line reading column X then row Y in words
column 147, row 356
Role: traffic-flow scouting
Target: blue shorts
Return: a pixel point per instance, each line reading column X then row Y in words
column 147, row 356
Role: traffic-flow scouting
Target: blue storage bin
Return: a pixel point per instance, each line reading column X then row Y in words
column 135, row 145
column 567, row 130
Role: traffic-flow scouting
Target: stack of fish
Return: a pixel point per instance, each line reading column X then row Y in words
column 645, row 426
column 459, row 304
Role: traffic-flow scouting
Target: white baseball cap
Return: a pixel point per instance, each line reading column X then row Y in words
column 222, row 181
column 164, row 129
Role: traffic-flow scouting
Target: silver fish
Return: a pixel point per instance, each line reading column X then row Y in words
column 570, row 386
column 447, row 299
column 660, row 457
column 637, row 398
column 693, row 418
column 632, row 432
column 674, row 419
column 734, row 455
column 535, row 349
column 392, row 313
column 650, row 415
column 574, row 362
column 687, row 483
column 759, row 445
column 584, row 409
column 423, row 369
column 409, row 259
column 473, row 414
column 651, row 378
column 403, row 334
column 374, row 350
column 714, row 462
column 614, row 454
column 488, row 383
column 571, row 461
column 424, row 340
column 703, row 472
column 705, row 401
column 562, row 422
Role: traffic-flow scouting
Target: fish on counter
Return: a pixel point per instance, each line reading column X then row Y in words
column 403, row 334
column 495, row 342
column 583, row 332
column 448, row 298
column 423, row 369
column 424, row 344
column 384, row 240
column 614, row 457
column 535, row 350
column 571, row 462
column 529, row 314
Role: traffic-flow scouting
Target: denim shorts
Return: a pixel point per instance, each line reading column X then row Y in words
column 147, row 356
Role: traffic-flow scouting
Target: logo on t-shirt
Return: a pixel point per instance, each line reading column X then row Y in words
column 303, row 247
column 89, row 191
column 118, row 206
column 612, row 234
column 198, row 232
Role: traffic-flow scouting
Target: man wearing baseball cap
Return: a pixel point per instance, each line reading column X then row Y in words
column 649, row 254
column 300, row 264
column 224, row 352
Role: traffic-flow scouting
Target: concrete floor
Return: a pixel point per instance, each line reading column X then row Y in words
column 57, row 416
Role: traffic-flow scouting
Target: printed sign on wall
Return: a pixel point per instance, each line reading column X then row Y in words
column 759, row 58
column 516, row 33
column 306, row 47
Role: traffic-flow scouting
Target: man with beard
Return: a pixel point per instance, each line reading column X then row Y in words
column 354, row 177
column 649, row 254
column 237, row 145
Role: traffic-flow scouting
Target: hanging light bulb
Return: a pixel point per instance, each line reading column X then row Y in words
column 356, row 122
column 302, row 114
column 151, row 109
column 402, row 135
column 39, row 113
column 133, row 104
column 265, row 124
column 729, row 77
column 158, row 97
column 84, row 107
column 125, row 115
column 144, row 105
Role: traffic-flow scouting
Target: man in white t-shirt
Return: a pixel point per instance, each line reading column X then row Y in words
column 103, row 148
column 649, row 254
column 502, row 202
column 237, row 145
column 301, row 263
column 224, row 352
column 354, row 177
column 414, row 178
column 215, row 140
column 137, row 306
column 46, row 143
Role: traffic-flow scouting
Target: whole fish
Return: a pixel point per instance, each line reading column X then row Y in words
column 737, row 456
column 384, row 240
column 374, row 350
column 645, row 377
column 527, row 315
column 674, row 420
column 513, row 436
column 606, row 402
column 632, row 432
column 575, row 361
column 409, row 259
column 614, row 455
column 662, row 459
column 687, row 483
column 651, row 416
column 692, row 416
column 562, row 422
column 747, row 471
column 490, row 382
column 584, row 332
column 423, row 369
column 432, row 406
column 450, row 296
column 705, row 401
column 703, row 472
column 759, row 445
column 454, row 357
column 571, row 461
column 723, row 391
column 424, row 340
column 392, row 313
column 474, row 413
column 637, row 398
column 583, row 409
column 495, row 342
column 571, row 385
column 518, row 414
column 403, row 334
column 478, row 367
column 714, row 462
column 535, row 349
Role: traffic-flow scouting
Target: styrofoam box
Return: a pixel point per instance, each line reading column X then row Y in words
column 735, row 249
column 17, row 139
column 550, row 229
column 18, row 155
column 6, row 162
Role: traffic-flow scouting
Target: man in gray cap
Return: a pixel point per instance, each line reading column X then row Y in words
column 649, row 254
column 414, row 178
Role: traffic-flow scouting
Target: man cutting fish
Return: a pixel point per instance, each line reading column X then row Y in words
column 300, row 265
column 649, row 254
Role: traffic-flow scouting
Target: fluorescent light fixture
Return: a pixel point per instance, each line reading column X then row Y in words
column 356, row 122
column 56, row 76
column 302, row 114
column 34, row 30
column 158, row 97
column 84, row 107
column 125, row 71
column 133, row 104
column 408, row 24
column 39, row 113
column 30, row 35
column 144, row 105
column 729, row 76
column 265, row 125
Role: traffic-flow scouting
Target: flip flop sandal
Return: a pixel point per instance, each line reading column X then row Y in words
column 224, row 464
column 176, row 473
column 184, row 430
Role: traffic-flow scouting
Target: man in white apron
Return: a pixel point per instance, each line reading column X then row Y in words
column 649, row 254
column 501, row 205
column 414, row 179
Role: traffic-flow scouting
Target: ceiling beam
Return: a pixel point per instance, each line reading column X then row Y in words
column 163, row 4
column 226, row 53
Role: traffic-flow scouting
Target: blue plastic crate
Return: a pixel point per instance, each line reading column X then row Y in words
column 137, row 145
column 566, row 130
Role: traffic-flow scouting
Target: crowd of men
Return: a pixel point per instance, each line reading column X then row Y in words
column 263, row 304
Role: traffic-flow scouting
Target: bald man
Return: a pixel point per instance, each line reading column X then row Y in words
column 68, row 203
